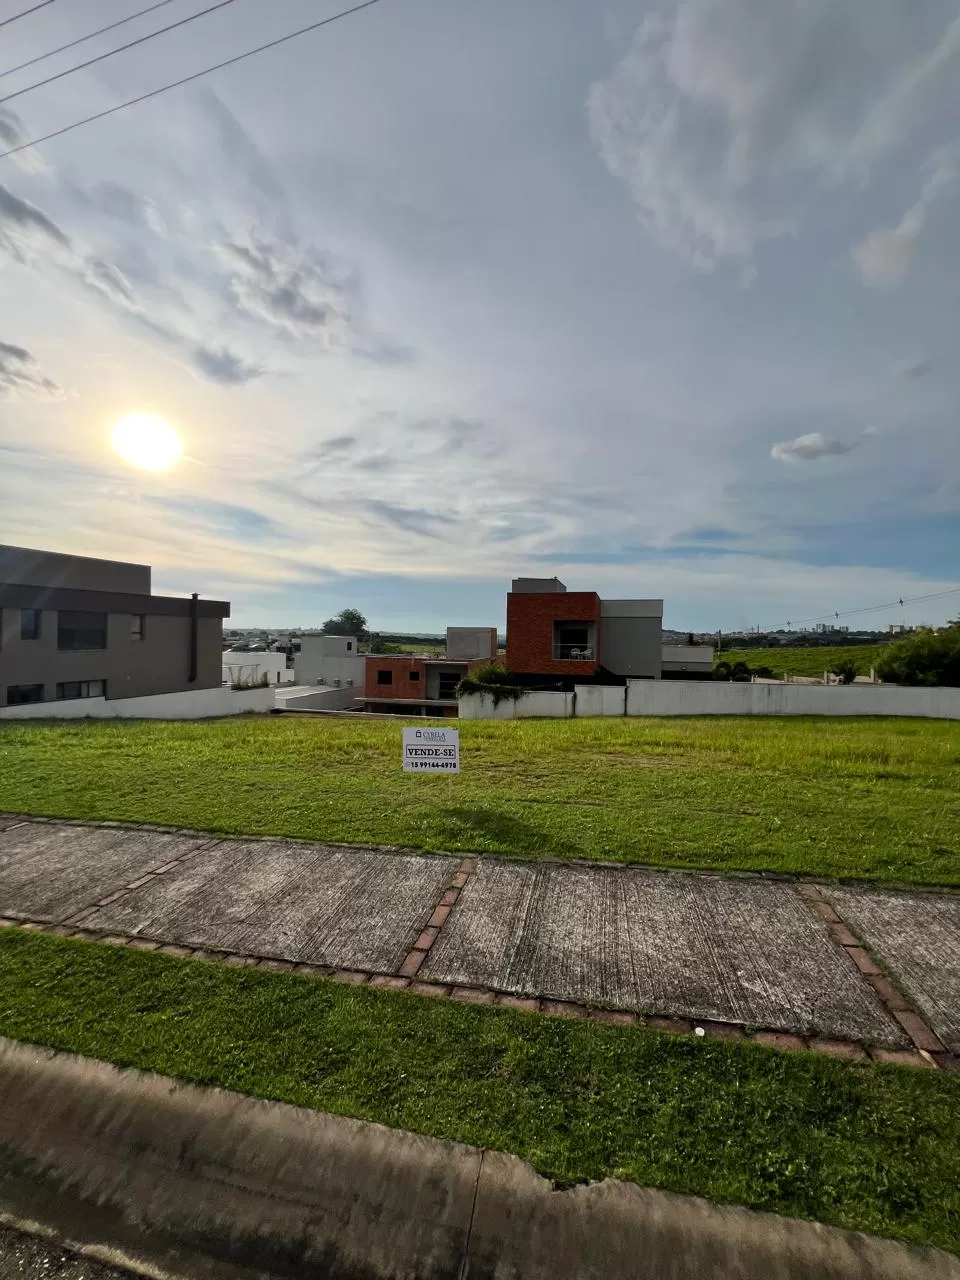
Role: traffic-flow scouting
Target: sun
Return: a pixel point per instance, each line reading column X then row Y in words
column 147, row 441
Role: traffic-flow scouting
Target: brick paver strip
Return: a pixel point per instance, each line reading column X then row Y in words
column 915, row 936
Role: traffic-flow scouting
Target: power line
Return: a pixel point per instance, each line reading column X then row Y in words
column 873, row 608
column 23, row 13
column 102, row 57
column 175, row 84
column 21, row 66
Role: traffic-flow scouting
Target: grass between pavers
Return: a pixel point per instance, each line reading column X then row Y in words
column 871, row 798
column 869, row 1147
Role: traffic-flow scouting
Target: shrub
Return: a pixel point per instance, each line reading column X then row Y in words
column 925, row 658
column 492, row 678
column 845, row 670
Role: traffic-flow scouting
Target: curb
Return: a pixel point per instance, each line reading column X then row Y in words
column 212, row 1185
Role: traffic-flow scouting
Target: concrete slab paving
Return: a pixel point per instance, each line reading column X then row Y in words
column 49, row 872
column 698, row 946
column 317, row 904
column 917, row 937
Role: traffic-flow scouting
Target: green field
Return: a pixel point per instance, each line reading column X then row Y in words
column 870, row 1147
column 807, row 662
column 847, row 797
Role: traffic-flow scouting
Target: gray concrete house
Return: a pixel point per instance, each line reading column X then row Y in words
column 76, row 627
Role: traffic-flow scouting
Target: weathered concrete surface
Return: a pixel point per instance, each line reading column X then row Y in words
column 49, row 872
column 525, row 1230
column 9, row 820
column 352, row 908
column 917, row 936
column 29, row 1257
column 209, row 1185
column 699, row 946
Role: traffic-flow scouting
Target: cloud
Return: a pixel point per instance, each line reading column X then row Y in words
column 20, row 374
column 809, row 447
column 884, row 257
column 224, row 366
column 293, row 290
column 22, row 222
column 110, row 281
column 916, row 369
column 725, row 115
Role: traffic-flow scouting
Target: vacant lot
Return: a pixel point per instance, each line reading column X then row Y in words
column 865, row 798
column 807, row 662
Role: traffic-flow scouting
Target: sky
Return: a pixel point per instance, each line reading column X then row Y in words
column 661, row 299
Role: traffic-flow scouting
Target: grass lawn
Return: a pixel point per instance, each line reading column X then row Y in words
column 875, row 1148
column 807, row 661
column 847, row 797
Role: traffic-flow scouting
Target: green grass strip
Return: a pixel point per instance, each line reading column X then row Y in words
column 869, row 1147
column 868, row 798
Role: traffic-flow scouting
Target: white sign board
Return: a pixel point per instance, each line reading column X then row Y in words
column 431, row 750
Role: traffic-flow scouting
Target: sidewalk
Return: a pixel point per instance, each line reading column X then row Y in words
column 789, row 962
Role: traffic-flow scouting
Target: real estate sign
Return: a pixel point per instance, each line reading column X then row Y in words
column 431, row 750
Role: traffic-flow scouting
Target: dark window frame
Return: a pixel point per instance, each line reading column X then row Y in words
column 384, row 676
column 18, row 689
column 414, row 676
column 138, row 627
column 83, row 689
column 33, row 632
column 73, row 636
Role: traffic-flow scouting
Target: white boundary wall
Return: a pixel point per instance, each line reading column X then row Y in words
column 251, row 667
column 191, row 704
column 718, row 698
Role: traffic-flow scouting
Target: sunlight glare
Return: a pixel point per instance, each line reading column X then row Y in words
column 147, row 441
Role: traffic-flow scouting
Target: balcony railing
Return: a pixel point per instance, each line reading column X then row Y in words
column 573, row 652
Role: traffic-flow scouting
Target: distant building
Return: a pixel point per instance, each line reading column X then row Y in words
column 555, row 635
column 334, row 661
column 78, row 627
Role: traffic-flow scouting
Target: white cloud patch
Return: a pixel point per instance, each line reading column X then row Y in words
column 726, row 116
column 810, row 447
column 20, row 375
column 884, row 257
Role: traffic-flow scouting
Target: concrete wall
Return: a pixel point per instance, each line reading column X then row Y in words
column 687, row 657
column 715, row 698
column 199, row 704
column 251, row 667
column 24, row 565
column 704, row 698
column 630, row 646
column 321, row 700
column 327, row 660
column 471, row 642
column 159, row 663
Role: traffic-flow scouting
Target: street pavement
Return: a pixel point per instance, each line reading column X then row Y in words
column 741, row 950
column 26, row 1257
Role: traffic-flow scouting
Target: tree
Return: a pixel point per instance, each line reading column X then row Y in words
column 845, row 670
column 348, row 622
column 925, row 658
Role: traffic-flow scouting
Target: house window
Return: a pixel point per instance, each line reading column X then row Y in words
column 349, row 646
column 138, row 624
column 414, row 676
column 29, row 624
column 18, row 694
column 79, row 629
column 81, row 689
column 573, row 640
column 384, row 677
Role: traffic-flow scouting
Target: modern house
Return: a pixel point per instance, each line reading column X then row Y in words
column 555, row 636
column 77, row 627
column 424, row 684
